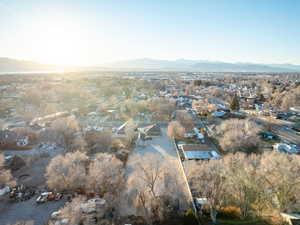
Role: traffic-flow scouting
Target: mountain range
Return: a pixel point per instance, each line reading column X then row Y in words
column 200, row 65
column 12, row 65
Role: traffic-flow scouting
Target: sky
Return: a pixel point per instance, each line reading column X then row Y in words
column 92, row 32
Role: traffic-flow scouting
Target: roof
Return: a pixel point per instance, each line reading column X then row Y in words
column 218, row 113
column 195, row 147
column 199, row 151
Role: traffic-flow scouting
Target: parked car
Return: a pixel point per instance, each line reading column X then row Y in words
column 55, row 214
column 45, row 196
column 41, row 199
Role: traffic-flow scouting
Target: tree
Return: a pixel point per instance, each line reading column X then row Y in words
column 281, row 173
column 290, row 99
column 239, row 135
column 217, row 92
column 208, row 180
column 68, row 127
column 235, row 103
column 67, row 172
column 163, row 109
column 106, row 175
column 245, row 184
column 72, row 212
column 6, row 177
column 98, row 141
column 185, row 119
column 255, row 184
column 152, row 189
column 130, row 133
column 175, row 130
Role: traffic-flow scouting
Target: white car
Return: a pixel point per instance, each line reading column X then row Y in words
column 55, row 214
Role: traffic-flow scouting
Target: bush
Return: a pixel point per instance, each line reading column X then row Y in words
column 230, row 212
column 190, row 218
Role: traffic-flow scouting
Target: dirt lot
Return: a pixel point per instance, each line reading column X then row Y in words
column 31, row 175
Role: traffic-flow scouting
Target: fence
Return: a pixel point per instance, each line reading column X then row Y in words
column 192, row 204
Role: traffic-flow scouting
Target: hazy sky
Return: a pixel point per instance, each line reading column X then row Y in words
column 87, row 32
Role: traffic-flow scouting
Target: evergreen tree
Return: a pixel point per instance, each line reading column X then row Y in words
column 235, row 104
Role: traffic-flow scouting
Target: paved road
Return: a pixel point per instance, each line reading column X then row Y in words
column 164, row 152
column 281, row 130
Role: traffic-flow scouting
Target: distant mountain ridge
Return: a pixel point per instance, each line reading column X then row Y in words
column 201, row 66
column 13, row 65
column 8, row 65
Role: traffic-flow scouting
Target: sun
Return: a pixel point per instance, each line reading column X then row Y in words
column 59, row 41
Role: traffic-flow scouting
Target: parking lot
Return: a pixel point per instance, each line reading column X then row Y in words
column 11, row 212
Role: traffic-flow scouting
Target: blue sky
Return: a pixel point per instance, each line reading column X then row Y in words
column 87, row 32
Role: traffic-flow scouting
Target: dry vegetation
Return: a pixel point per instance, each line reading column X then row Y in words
column 249, row 183
column 5, row 175
column 239, row 136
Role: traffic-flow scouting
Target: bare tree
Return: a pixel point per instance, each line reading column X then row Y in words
column 162, row 108
column 98, row 141
column 151, row 174
column 255, row 184
column 68, row 127
column 130, row 133
column 207, row 179
column 239, row 135
column 245, row 184
column 106, row 174
column 151, row 195
column 185, row 119
column 72, row 212
column 290, row 99
column 281, row 173
column 175, row 129
column 67, row 172
column 217, row 92
column 5, row 175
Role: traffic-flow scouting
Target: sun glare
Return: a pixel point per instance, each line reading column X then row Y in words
column 59, row 42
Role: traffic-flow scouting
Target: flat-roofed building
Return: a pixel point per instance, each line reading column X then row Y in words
column 199, row 151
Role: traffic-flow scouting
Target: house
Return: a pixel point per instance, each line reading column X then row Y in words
column 17, row 138
column 198, row 151
column 151, row 130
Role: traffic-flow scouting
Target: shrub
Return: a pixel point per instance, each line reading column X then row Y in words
column 230, row 212
column 189, row 218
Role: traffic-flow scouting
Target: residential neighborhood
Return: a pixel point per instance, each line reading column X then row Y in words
column 125, row 149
